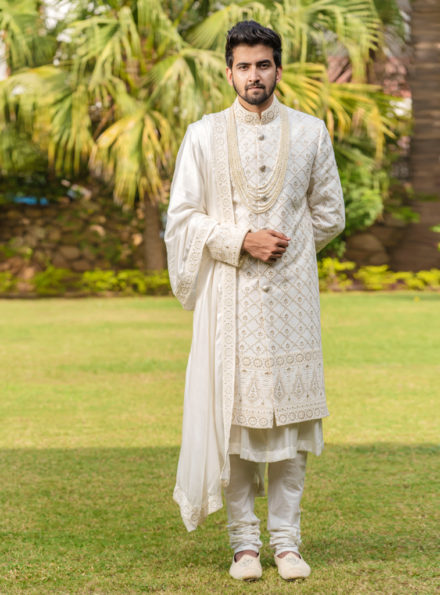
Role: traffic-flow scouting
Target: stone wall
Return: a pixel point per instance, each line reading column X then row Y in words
column 84, row 234
column 378, row 244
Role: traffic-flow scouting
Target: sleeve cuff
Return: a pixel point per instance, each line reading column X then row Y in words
column 225, row 244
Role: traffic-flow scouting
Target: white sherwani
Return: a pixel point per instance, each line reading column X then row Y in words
column 256, row 359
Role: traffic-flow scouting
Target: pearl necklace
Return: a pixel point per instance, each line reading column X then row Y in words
column 258, row 198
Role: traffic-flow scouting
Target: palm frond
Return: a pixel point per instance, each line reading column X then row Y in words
column 133, row 153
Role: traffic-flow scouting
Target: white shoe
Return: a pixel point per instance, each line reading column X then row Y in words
column 248, row 568
column 290, row 567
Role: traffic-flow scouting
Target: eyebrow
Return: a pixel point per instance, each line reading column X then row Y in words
column 260, row 63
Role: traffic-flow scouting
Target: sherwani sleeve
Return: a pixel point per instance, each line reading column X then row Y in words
column 324, row 195
column 192, row 236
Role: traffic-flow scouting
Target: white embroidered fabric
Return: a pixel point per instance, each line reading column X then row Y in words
column 279, row 368
column 203, row 239
column 278, row 443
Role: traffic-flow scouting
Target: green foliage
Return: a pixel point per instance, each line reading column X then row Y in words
column 377, row 278
column 127, row 282
column 54, row 281
column 97, row 281
column 365, row 184
column 130, row 76
column 332, row 274
column 7, row 282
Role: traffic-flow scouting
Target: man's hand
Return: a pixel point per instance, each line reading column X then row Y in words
column 266, row 244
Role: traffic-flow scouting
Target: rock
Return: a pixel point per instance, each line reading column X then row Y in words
column 24, row 286
column 378, row 258
column 392, row 221
column 357, row 256
column 364, row 242
column 137, row 239
column 70, row 252
column 28, row 272
column 388, row 236
column 30, row 240
column 59, row 261
column 54, row 235
column 16, row 264
column 81, row 265
column 98, row 229
column 88, row 254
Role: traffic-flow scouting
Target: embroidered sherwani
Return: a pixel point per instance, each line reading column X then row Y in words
column 256, row 359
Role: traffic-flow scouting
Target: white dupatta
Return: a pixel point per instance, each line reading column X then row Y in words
column 200, row 201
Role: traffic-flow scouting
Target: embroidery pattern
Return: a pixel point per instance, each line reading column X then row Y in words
column 279, row 369
column 184, row 289
column 192, row 516
column 229, row 278
column 225, row 243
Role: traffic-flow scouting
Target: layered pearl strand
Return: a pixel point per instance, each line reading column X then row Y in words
column 258, row 198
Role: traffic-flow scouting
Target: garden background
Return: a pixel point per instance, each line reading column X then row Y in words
column 95, row 98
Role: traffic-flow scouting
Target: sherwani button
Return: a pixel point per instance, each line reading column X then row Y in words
column 261, row 137
column 265, row 288
column 263, row 168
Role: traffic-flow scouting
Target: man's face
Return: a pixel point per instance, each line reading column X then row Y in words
column 253, row 74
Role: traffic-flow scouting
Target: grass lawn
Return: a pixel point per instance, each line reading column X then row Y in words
column 89, row 437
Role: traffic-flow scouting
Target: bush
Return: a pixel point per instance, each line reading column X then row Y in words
column 334, row 275
column 53, row 281
column 129, row 282
column 7, row 282
column 98, row 281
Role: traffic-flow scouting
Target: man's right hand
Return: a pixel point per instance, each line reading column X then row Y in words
column 267, row 245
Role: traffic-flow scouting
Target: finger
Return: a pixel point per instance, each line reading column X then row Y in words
column 278, row 234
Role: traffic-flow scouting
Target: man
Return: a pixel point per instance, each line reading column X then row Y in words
column 255, row 194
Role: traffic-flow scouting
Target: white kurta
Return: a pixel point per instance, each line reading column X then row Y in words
column 251, row 378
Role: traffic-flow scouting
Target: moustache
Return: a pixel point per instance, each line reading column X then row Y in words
column 254, row 87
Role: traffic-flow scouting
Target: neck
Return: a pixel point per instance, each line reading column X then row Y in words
column 258, row 109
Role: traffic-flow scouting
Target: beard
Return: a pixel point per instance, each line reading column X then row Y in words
column 256, row 99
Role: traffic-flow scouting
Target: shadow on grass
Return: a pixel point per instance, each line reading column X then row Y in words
column 69, row 515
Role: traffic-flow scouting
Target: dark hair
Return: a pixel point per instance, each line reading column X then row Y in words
column 252, row 33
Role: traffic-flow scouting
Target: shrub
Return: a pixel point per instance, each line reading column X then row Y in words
column 376, row 277
column 332, row 274
column 54, row 281
column 98, row 281
column 7, row 282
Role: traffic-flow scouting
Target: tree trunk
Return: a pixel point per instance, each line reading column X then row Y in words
column 424, row 78
column 418, row 249
column 153, row 243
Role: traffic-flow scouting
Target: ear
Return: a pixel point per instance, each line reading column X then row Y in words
column 279, row 73
column 229, row 75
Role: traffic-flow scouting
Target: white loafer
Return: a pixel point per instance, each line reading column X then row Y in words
column 248, row 568
column 290, row 567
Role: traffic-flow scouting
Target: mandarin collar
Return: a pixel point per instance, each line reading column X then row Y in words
column 246, row 117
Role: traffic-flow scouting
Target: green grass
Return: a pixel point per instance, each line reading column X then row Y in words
column 90, row 426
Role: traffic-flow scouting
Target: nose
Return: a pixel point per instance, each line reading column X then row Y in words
column 254, row 75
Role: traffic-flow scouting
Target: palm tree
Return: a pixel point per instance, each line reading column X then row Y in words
column 128, row 79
